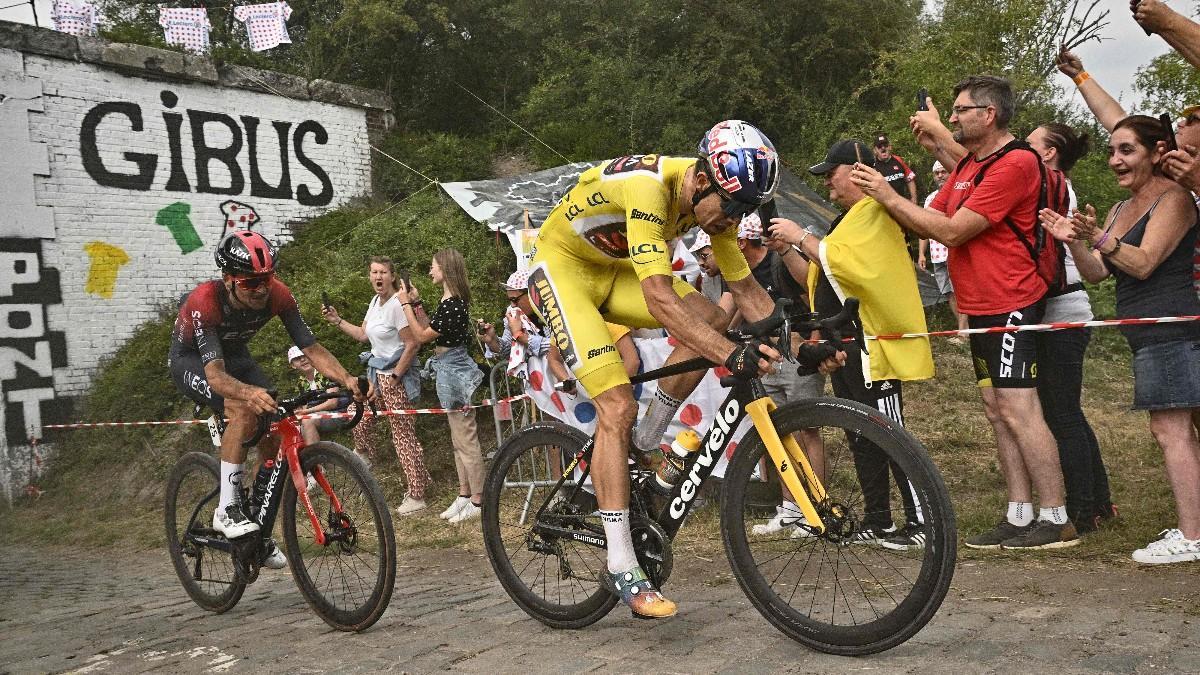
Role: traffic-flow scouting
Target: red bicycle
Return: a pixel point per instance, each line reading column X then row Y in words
column 337, row 530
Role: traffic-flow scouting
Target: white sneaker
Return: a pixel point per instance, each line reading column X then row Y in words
column 275, row 559
column 1171, row 547
column 468, row 512
column 410, row 506
column 455, row 506
column 786, row 516
column 233, row 522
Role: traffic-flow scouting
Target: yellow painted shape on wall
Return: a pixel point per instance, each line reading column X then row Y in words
column 106, row 263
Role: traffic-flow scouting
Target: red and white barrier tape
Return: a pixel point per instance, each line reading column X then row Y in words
column 487, row 402
column 1035, row 327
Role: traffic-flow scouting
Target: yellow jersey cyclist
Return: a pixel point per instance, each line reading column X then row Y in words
column 602, row 255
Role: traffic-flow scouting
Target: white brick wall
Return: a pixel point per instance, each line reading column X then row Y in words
column 46, row 183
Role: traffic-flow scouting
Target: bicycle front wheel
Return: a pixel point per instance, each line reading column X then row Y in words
column 207, row 573
column 880, row 571
column 554, row 578
column 348, row 580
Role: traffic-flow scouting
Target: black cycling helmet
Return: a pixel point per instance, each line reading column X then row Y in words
column 245, row 253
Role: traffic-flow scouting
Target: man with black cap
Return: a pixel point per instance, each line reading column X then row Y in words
column 894, row 169
column 864, row 256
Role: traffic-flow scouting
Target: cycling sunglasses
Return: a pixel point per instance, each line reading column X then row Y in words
column 513, row 300
column 253, row 283
column 731, row 207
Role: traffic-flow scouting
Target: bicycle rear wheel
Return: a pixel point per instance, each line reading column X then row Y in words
column 554, row 579
column 207, row 573
column 843, row 591
column 348, row 581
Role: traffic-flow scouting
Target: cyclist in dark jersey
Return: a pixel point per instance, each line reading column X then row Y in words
column 211, row 364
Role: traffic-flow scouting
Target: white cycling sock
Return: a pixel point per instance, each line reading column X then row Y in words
column 1054, row 514
column 658, row 417
column 231, row 481
column 620, row 542
column 1020, row 513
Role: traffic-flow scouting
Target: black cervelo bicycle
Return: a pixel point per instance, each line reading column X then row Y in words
column 812, row 579
column 337, row 530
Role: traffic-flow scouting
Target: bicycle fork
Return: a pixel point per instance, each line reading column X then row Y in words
column 786, row 455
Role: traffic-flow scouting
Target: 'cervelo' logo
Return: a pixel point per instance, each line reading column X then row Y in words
column 717, row 437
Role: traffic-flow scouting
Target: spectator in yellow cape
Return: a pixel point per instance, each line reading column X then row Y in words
column 865, row 256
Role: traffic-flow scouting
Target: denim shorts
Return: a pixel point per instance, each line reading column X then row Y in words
column 1167, row 376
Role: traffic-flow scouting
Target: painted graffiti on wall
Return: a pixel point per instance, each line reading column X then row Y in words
column 141, row 169
column 29, row 350
column 238, row 216
column 106, row 261
column 176, row 218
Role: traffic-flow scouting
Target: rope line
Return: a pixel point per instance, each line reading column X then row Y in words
column 1039, row 327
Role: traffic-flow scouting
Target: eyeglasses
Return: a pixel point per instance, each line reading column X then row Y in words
column 252, row 283
column 960, row 109
column 514, row 299
column 702, row 256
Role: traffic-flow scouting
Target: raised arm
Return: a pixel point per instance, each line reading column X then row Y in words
column 1180, row 32
column 935, row 137
column 331, row 315
column 1106, row 109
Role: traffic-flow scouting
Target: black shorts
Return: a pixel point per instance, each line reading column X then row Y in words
column 187, row 372
column 1006, row 360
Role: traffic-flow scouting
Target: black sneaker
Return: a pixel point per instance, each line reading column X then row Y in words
column 1002, row 532
column 871, row 534
column 1044, row 534
column 910, row 537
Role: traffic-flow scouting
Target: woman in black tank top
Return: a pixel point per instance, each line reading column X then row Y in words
column 1147, row 245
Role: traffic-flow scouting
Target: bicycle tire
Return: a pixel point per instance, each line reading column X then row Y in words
column 194, row 478
column 571, row 598
column 755, row 558
column 370, row 547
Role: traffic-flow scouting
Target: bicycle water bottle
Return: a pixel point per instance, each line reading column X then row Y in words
column 671, row 469
column 260, row 485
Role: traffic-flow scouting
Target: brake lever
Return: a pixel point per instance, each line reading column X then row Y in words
column 785, row 340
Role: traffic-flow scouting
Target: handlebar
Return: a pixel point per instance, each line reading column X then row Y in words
column 782, row 322
column 287, row 407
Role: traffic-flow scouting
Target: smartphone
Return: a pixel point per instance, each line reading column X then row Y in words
column 765, row 213
column 325, row 300
column 1168, row 128
column 922, row 98
column 404, row 276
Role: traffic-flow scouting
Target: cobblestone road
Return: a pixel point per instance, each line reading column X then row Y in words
column 122, row 613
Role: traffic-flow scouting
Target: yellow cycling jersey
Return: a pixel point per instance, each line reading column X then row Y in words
column 627, row 209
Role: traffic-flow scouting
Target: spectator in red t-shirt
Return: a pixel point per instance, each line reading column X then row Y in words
column 997, row 284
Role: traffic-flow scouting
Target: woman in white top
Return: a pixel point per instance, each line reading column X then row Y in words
column 393, row 350
column 1060, row 359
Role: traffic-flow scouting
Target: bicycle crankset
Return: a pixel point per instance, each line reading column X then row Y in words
column 653, row 549
column 246, row 556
